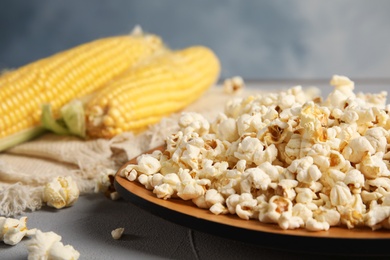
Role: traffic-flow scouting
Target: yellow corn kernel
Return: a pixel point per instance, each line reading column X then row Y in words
column 151, row 90
column 67, row 75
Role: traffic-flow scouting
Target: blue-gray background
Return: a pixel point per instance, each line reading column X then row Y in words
column 274, row 39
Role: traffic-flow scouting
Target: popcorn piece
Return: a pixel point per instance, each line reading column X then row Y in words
column 188, row 188
column 343, row 90
column 305, row 195
column 295, row 148
column 105, row 184
column 276, row 206
column 314, row 225
column 305, row 170
column 367, row 196
column 194, row 122
column 12, row 230
column 212, row 170
column 61, row 192
column 288, row 221
column 337, row 161
column 381, row 182
column 355, row 180
column 302, row 211
column 377, row 214
column 233, row 85
column 117, row 233
column 231, row 203
column 340, row 195
column 286, row 187
column 147, row 164
column 247, row 148
column 330, row 216
column 357, row 148
column 212, row 197
column 374, row 166
column 114, row 195
column 313, row 117
column 353, row 215
column 164, row 191
column 377, row 136
column 48, row 245
column 254, row 178
column 227, row 130
column 243, row 205
column 190, row 156
column 218, row 208
column 269, row 154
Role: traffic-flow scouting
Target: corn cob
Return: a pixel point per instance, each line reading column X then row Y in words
column 151, row 90
column 62, row 77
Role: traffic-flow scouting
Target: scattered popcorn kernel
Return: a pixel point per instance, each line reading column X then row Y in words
column 48, row 245
column 117, row 233
column 61, row 192
column 12, row 230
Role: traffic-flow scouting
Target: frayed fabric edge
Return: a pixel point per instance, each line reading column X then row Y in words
column 18, row 198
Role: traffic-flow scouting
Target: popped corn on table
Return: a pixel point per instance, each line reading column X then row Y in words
column 88, row 224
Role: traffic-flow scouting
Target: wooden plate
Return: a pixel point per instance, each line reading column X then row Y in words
column 337, row 240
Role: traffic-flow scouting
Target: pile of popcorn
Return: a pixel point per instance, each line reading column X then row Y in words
column 286, row 158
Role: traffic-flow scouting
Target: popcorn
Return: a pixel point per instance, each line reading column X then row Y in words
column 61, row 192
column 192, row 122
column 254, row 178
column 353, row 215
column 188, row 188
column 164, row 191
column 212, row 197
column 218, row 208
column 227, row 130
column 354, row 179
column 314, row 225
column 357, row 148
column 12, row 230
column 275, row 207
column 287, row 158
column 288, row 221
column 377, row 214
column 373, row 166
column 147, row 164
column 48, row 245
column 117, row 233
column 377, row 136
column 243, row 205
column 233, row 85
column 340, row 195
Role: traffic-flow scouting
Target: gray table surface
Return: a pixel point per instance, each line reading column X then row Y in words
column 88, row 224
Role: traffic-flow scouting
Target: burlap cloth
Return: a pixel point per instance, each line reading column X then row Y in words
column 26, row 168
